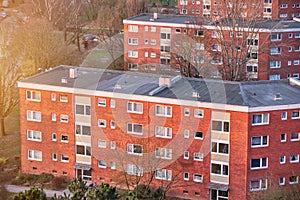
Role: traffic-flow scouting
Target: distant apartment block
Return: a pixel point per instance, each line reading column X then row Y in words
column 260, row 9
column 154, row 43
column 210, row 139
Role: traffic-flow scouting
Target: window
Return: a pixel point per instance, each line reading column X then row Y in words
column 295, row 115
column 297, row 48
column 185, row 176
column 200, row 46
column 283, row 15
column 135, row 149
column 102, row 123
column 275, row 64
column 282, row 160
column 283, row 6
column 101, row 102
column 297, row 35
column 132, row 66
column 296, row 62
column 54, row 157
column 183, row 11
column 199, row 33
column 186, row 155
column 146, row 54
column 163, row 174
column 165, row 111
column 295, row 137
column 135, row 128
column 63, row 98
column 64, row 158
column 259, row 141
column 64, row 118
column 219, row 147
column 198, row 135
column 112, row 165
column 283, row 115
column 290, row 35
column 290, row 49
column 260, row 119
column 260, row 163
column 252, row 55
column 165, row 36
column 222, row 126
column 64, row 138
column 54, row 137
column 34, row 135
column 198, row 156
column 275, row 37
column 33, row 95
column 112, row 145
column 221, row 169
column 198, row 113
column 197, row 178
column 164, row 48
column 145, row 41
column 153, row 42
column 33, row 116
column 152, row 29
column 186, row 133
column 53, row 117
column 83, row 130
column 101, row 163
column 293, row 179
column 283, row 137
column 101, row 143
column 135, row 107
column 83, row 150
column 275, row 50
column 252, row 42
column 133, row 41
column 214, row 34
column 83, row 109
column 274, row 77
column 132, row 28
column 34, row 155
column 281, row 181
column 165, row 60
column 163, row 153
column 153, row 55
column 134, row 170
column 163, row 132
column 258, row 184
column 294, row 158
column 133, row 54
column 252, row 68
column 112, row 124
column 177, row 30
column 239, row 34
column 53, row 97
column 112, row 103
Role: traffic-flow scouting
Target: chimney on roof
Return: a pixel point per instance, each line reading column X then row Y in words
column 277, row 97
column 73, row 73
column 64, row 80
column 155, row 15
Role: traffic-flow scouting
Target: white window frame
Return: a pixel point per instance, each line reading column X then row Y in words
column 277, row 37
column 54, row 156
column 135, row 170
column 282, row 159
column 186, row 155
column 163, row 132
column 275, row 50
column 33, row 95
column 102, row 123
column 297, row 117
column 223, row 130
column 198, row 178
column 294, row 139
column 296, row 156
column 261, row 186
column 112, row 145
column 53, row 117
column 101, row 102
column 133, row 54
column 112, row 165
column 163, row 174
column 198, row 113
column 196, row 137
column 64, row 158
column 275, row 64
column 64, row 118
column 81, row 127
column 186, row 133
column 261, row 141
column 264, row 119
column 152, row 29
column 34, row 135
column 133, row 28
column 133, row 41
column 53, row 97
column 133, row 129
column 135, row 107
column 161, row 110
column 297, row 35
column 222, row 171
column 284, row 116
column 63, row 98
column 87, row 151
column 130, row 149
column 186, row 178
column 260, row 163
column 101, row 143
column 86, row 110
column 33, row 116
column 186, row 112
column 54, row 137
column 35, row 155
column 112, row 124
column 62, row 138
column 101, row 163
column 282, row 181
column 296, row 62
column 163, row 153
column 281, row 140
column 112, row 103
column 218, row 149
column 295, row 182
column 198, row 156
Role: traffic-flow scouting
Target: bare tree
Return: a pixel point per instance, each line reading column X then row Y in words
column 10, row 73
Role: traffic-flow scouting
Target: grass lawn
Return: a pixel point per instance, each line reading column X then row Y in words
column 10, row 148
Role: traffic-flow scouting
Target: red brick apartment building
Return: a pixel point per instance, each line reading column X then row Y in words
column 263, row 9
column 207, row 139
column 151, row 43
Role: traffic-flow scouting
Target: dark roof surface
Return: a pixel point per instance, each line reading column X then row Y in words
column 252, row 94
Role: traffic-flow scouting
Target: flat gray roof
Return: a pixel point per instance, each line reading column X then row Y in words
column 252, row 94
column 182, row 19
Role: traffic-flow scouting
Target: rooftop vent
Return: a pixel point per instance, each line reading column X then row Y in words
column 277, row 97
column 168, row 81
column 196, row 94
column 64, row 80
column 155, row 15
column 118, row 86
column 73, row 72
